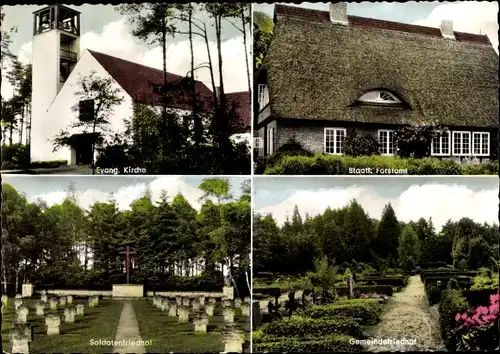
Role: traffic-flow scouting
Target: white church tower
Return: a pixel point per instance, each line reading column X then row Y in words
column 56, row 50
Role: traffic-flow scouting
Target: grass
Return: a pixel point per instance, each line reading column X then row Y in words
column 167, row 335
column 97, row 323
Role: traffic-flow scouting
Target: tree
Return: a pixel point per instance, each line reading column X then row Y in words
column 388, row 232
column 262, row 35
column 105, row 98
column 215, row 187
column 409, row 248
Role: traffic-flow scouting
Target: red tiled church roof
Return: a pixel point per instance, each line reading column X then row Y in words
column 241, row 102
column 138, row 81
column 355, row 21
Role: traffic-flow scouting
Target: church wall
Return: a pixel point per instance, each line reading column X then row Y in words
column 60, row 112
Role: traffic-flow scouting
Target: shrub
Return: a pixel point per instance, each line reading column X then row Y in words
column 330, row 344
column 393, row 281
column 479, row 297
column 452, row 302
column 361, row 145
column 433, row 293
column 15, row 155
column 365, row 312
column 379, row 289
column 317, row 327
column 323, row 164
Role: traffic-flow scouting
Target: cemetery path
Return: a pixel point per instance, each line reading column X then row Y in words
column 407, row 316
column 128, row 330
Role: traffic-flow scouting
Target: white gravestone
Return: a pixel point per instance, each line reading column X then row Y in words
column 80, row 309
column 237, row 303
column 22, row 314
column 69, row 314
column 44, row 297
column 178, row 299
column 40, row 307
column 228, row 315
column 226, row 303
column 196, row 305
column 27, row 290
column 172, row 311
column 53, row 303
column 212, row 300
column 18, row 302
column 183, row 314
column 201, row 300
column 200, row 321
column 233, row 339
column 52, row 322
column 20, row 336
column 209, row 309
column 69, row 300
column 245, row 308
column 185, row 301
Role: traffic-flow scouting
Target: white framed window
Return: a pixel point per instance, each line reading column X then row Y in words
column 441, row 146
column 480, row 143
column 461, row 143
column 334, row 140
column 386, row 142
column 257, row 142
column 270, row 141
column 263, row 96
column 380, row 97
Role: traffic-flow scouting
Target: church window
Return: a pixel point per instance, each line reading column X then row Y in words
column 86, row 110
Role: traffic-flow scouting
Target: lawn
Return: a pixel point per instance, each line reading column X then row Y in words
column 98, row 323
column 167, row 335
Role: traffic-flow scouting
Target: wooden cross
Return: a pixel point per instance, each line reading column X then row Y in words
column 128, row 252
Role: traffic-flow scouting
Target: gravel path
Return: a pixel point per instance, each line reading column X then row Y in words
column 407, row 317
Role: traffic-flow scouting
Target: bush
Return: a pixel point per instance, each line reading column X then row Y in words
column 15, row 155
column 393, row 281
column 49, row 164
column 307, row 327
column 433, row 293
column 330, row 344
column 479, row 297
column 361, row 145
column 365, row 312
column 379, row 289
column 452, row 302
column 323, row 164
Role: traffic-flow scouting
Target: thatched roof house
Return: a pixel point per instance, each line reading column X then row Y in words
column 327, row 74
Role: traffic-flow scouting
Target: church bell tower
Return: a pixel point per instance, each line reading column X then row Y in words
column 56, row 49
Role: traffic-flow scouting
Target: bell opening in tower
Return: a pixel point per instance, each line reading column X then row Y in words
column 57, row 17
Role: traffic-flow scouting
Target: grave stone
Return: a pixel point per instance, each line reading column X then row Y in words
column 183, row 314
column 52, row 321
column 245, row 308
column 22, row 314
column 237, row 303
column 164, row 304
column 53, row 303
column 209, row 309
column 227, row 303
column 256, row 316
column 18, row 302
column 185, row 301
column 201, row 300
column 156, row 301
column 20, row 336
column 44, row 297
column 40, row 307
column 69, row 300
column 27, row 290
column 233, row 339
column 5, row 299
column 62, row 301
column 228, row 313
column 69, row 314
column 247, row 299
column 80, row 309
column 200, row 321
column 196, row 305
column 228, row 292
column 212, row 300
column 18, row 296
column 172, row 311
column 178, row 299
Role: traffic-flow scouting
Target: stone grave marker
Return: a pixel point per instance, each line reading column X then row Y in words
column 62, row 301
column 172, row 311
column 80, row 309
column 185, row 301
column 227, row 303
column 233, row 339
column 183, row 314
column 20, row 337
column 196, row 305
column 209, row 309
column 22, row 314
column 200, row 320
column 237, row 303
column 201, row 300
column 40, row 308
column 53, row 303
column 228, row 313
column 212, row 300
column 52, row 321
column 18, row 302
column 164, row 304
column 44, row 297
column 69, row 299
column 245, row 308
column 18, row 296
column 69, row 314
column 178, row 299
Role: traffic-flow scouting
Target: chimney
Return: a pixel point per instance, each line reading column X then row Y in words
column 338, row 13
column 447, row 29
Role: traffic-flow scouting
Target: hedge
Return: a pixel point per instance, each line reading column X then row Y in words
column 401, row 281
column 331, row 344
column 452, row 302
column 367, row 289
column 448, row 274
column 365, row 312
column 464, row 281
column 312, row 327
column 323, row 164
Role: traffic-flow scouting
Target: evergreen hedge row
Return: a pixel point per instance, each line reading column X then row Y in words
column 330, row 344
column 312, row 327
column 366, row 314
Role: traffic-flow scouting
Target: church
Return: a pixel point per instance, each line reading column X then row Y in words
column 327, row 75
column 58, row 67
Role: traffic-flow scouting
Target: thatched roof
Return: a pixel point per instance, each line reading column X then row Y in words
column 317, row 70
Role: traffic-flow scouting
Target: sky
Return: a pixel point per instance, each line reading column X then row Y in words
column 467, row 16
column 105, row 30
column 124, row 189
column 441, row 198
